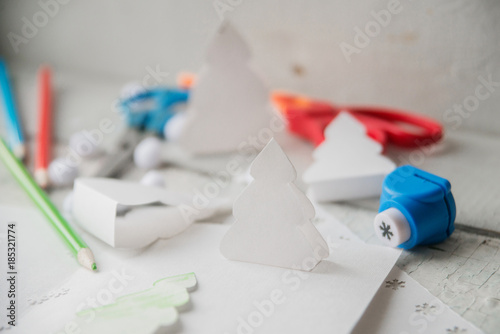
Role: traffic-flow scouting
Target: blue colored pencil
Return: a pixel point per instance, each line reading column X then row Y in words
column 15, row 135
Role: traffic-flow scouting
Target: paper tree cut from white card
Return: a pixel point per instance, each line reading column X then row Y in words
column 273, row 218
column 348, row 164
column 229, row 102
column 153, row 310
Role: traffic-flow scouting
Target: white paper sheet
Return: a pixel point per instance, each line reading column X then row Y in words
column 231, row 295
column 402, row 305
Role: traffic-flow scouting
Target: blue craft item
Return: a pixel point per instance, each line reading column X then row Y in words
column 15, row 135
column 416, row 208
column 152, row 108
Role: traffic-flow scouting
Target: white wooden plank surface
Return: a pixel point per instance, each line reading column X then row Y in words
column 463, row 271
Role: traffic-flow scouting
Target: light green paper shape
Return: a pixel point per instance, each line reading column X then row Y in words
column 144, row 311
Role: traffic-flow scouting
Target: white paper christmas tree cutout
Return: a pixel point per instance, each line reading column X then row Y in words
column 273, row 218
column 229, row 102
column 348, row 164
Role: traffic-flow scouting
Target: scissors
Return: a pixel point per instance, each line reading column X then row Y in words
column 152, row 108
column 308, row 119
column 145, row 112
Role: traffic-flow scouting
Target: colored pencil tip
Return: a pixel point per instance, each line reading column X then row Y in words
column 42, row 178
column 20, row 151
column 86, row 259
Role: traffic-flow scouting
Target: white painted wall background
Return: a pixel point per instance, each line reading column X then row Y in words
column 427, row 59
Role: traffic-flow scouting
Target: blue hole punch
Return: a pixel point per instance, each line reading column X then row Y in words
column 151, row 109
column 416, row 208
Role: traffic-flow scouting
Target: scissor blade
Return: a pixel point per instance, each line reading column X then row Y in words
column 117, row 160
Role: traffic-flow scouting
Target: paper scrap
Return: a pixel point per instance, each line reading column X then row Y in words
column 131, row 215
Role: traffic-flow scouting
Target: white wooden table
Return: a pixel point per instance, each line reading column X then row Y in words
column 462, row 271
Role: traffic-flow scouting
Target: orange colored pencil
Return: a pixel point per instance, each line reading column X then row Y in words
column 43, row 143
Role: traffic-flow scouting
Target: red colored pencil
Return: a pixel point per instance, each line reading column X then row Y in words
column 43, row 143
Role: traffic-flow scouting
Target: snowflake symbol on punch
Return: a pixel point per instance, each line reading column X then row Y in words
column 395, row 284
column 386, row 231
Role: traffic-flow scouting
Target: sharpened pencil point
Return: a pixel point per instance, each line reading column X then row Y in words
column 20, row 151
column 40, row 198
column 86, row 258
column 42, row 178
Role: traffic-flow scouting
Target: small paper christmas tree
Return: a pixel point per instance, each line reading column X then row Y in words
column 273, row 218
column 348, row 164
column 154, row 310
column 229, row 102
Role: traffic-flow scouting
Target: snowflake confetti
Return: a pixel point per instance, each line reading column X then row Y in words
column 395, row 284
column 425, row 309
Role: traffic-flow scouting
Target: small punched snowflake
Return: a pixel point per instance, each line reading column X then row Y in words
column 456, row 330
column 425, row 309
column 395, row 284
column 386, row 231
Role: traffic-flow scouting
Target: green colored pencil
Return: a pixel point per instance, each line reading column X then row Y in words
column 75, row 243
